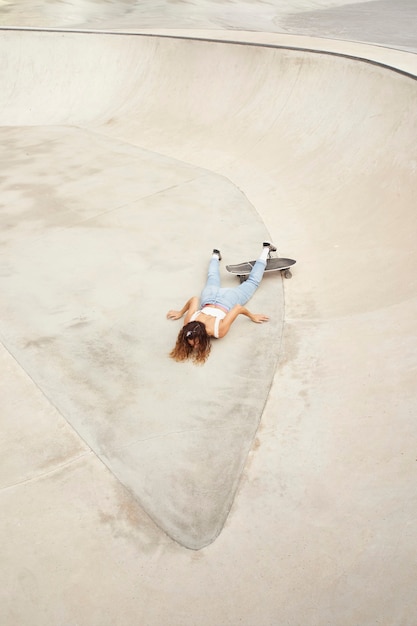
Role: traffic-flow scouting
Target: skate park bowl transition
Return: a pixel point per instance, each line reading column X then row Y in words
column 127, row 158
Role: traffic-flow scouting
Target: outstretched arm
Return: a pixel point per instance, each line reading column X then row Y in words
column 226, row 323
column 190, row 307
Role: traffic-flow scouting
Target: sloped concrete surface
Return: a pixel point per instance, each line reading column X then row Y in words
column 91, row 249
column 108, row 158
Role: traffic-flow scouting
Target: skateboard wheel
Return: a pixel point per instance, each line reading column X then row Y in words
column 287, row 274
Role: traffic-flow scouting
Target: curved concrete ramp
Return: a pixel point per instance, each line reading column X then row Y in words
column 96, row 253
column 103, row 239
column 323, row 147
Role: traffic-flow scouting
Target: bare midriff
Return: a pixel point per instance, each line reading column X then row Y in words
column 216, row 306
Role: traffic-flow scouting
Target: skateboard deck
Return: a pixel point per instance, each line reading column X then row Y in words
column 272, row 265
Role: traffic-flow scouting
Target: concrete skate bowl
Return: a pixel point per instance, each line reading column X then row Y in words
column 118, row 146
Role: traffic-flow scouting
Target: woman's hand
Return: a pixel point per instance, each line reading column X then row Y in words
column 258, row 318
column 174, row 315
column 238, row 309
column 189, row 307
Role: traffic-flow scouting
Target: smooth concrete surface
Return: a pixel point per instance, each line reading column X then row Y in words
column 383, row 22
column 100, row 142
column 93, row 247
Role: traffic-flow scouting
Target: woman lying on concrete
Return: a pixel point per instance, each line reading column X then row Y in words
column 219, row 308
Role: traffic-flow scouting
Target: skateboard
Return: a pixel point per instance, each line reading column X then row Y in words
column 273, row 264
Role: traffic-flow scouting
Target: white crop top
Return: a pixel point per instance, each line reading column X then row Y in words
column 219, row 314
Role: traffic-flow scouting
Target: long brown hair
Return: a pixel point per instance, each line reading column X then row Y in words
column 202, row 344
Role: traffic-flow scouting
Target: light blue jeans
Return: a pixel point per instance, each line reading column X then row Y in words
column 228, row 297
